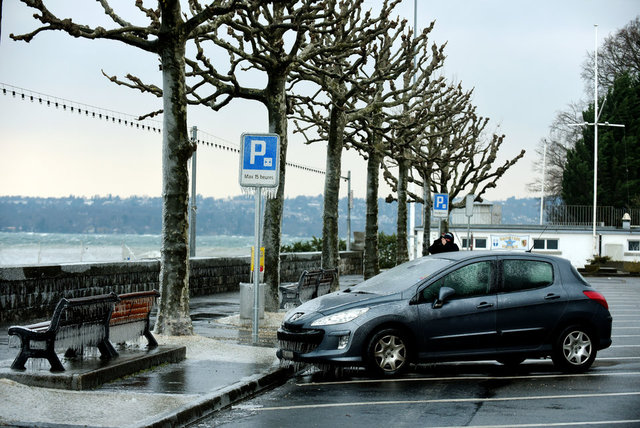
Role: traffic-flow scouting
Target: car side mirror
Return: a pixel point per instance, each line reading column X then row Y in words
column 444, row 295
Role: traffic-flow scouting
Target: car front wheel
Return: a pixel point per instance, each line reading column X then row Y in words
column 388, row 353
column 574, row 350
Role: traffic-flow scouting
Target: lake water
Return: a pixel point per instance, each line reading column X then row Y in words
column 22, row 248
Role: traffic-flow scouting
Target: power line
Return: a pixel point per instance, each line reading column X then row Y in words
column 124, row 119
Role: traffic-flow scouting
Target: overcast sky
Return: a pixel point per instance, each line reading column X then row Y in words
column 522, row 58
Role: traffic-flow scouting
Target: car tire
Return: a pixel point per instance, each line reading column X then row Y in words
column 388, row 353
column 574, row 350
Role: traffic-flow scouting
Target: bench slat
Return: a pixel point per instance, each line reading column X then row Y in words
column 311, row 284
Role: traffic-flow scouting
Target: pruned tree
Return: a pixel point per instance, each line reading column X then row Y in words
column 166, row 35
column 272, row 38
column 405, row 126
column 442, row 110
column 356, row 90
column 344, row 77
column 457, row 159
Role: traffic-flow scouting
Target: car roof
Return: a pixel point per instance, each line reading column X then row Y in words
column 467, row 255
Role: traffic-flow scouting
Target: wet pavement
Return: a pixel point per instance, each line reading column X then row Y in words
column 222, row 366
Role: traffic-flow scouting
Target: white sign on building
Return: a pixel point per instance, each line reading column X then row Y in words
column 510, row 242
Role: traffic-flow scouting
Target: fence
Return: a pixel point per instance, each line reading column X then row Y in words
column 582, row 215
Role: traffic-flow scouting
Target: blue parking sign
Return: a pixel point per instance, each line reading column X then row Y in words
column 259, row 160
column 441, row 204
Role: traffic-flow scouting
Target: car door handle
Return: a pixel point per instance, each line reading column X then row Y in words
column 551, row 296
column 484, row 305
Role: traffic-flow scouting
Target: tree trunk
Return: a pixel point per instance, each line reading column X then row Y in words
column 371, row 259
column 173, row 307
column 426, row 206
column 330, row 237
column 402, row 252
column 277, row 110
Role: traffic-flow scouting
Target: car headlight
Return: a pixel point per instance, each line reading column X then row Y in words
column 340, row 317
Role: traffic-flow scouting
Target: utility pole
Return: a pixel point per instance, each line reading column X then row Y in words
column 349, row 206
column 544, row 164
column 192, row 211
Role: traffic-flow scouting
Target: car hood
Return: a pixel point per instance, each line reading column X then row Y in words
column 340, row 300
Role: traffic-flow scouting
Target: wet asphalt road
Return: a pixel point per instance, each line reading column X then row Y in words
column 470, row 394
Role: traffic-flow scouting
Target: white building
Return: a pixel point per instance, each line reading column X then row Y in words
column 574, row 243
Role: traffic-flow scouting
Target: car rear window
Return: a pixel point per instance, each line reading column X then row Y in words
column 520, row 274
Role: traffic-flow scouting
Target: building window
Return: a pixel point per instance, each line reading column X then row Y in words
column 479, row 243
column 634, row 245
column 545, row 244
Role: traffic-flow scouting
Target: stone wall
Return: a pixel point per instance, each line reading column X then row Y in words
column 31, row 292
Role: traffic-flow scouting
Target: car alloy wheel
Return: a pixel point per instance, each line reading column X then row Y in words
column 388, row 353
column 574, row 350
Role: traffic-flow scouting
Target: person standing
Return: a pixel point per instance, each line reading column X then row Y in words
column 443, row 244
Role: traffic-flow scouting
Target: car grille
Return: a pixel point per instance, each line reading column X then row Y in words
column 300, row 342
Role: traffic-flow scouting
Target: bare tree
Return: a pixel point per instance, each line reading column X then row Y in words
column 464, row 163
column 618, row 54
column 344, row 79
column 357, row 90
column 404, row 128
column 562, row 137
column 166, row 35
column 442, row 109
column 272, row 38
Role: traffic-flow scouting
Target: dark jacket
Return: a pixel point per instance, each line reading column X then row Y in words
column 437, row 247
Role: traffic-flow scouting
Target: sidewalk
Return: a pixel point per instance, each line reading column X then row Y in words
column 222, row 366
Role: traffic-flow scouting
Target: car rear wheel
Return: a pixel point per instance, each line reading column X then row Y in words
column 388, row 353
column 574, row 350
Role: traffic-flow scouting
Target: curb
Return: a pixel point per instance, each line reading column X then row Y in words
column 211, row 403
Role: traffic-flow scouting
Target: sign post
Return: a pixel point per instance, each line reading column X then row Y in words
column 259, row 167
column 469, row 214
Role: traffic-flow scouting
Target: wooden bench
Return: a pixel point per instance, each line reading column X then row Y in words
column 75, row 324
column 312, row 283
column 130, row 317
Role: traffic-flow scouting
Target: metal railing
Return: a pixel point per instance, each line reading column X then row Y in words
column 582, row 215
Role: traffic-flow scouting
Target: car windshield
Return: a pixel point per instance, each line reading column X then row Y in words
column 402, row 277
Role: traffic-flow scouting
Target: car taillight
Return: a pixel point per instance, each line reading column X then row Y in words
column 594, row 295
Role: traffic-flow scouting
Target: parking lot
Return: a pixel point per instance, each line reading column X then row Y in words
column 470, row 394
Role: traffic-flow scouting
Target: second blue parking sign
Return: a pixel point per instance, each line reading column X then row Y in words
column 259, row 160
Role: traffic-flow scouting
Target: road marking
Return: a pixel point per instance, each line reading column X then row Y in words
column 448, row 401
column 618, row 358
column 625, row 335
column 552, row 424
column 624, row 346
column 439, row 379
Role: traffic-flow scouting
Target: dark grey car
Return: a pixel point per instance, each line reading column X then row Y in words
column 505, row 306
